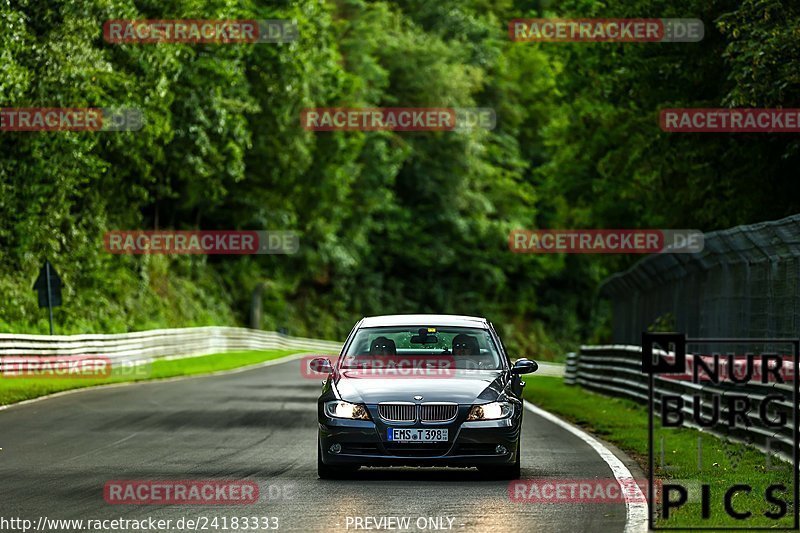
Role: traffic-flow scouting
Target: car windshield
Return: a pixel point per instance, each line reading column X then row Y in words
column 468, row 348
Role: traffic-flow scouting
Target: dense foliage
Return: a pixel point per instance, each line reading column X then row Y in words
column 389, row 221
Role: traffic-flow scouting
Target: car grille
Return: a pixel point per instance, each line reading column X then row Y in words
column 431, row 412
column 398, row 412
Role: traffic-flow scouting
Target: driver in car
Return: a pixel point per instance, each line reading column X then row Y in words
column 467, row 347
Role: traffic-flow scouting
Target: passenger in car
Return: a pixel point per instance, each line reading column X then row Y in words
column 467, row 347
column 383, row 346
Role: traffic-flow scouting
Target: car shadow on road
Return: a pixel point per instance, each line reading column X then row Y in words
column 436, row 474
column 420, row 474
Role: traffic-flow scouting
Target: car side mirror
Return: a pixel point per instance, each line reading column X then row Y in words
column 321, row 365
column 524, row 366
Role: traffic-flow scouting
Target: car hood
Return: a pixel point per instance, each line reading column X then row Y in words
column 472, row 387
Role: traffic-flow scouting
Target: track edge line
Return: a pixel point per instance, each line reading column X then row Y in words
column 636, row 512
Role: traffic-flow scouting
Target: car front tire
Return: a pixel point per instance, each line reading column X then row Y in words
column 512, row 471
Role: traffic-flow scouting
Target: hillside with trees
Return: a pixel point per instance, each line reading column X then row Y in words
column 389, row 222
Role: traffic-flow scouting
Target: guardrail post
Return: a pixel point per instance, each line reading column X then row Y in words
column 571, row 369
column 256, row 306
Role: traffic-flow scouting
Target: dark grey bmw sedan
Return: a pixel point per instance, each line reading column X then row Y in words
column 421, row 390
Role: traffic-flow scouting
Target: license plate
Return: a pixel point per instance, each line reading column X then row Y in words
column 417, row 435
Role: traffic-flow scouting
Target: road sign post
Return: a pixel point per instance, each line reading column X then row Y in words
column 48, row 285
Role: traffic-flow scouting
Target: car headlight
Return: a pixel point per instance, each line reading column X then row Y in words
column 342, row 409
column 490, row 411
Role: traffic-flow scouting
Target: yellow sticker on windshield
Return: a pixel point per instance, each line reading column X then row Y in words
column 431, row 330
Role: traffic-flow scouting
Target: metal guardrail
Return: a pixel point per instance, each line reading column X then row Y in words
column 142, row 346
column 159, row 343
column 616, row 370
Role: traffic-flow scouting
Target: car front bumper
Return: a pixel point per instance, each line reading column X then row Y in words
column 364, row 442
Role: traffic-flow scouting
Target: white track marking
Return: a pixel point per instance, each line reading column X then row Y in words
column 635, row 506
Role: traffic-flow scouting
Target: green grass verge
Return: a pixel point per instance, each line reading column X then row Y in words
column 14, row 389
column 724, row 463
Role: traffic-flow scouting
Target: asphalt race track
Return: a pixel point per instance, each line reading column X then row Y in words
column 260, row 425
